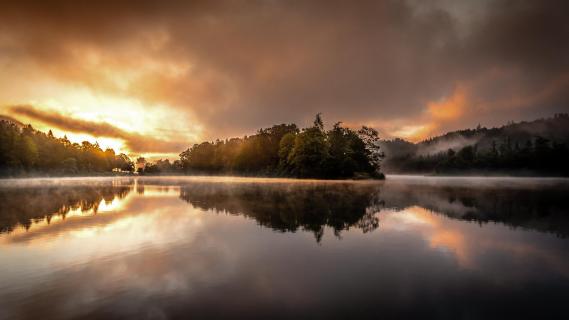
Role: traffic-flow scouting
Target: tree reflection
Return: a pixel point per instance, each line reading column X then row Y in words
column 312, row 206
column 25, row 205
column 289, row 207
column 541, row 207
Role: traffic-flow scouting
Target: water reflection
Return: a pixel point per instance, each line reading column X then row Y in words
column 287, row 207
column 310, row 206
column 537, row 204
column 23, row 204
column 192, row 247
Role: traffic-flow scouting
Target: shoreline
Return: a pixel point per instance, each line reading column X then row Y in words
column 235, row 178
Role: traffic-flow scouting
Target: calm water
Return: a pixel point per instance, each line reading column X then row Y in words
column 161, row 248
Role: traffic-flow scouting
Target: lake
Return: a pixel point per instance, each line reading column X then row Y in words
column 218, row 247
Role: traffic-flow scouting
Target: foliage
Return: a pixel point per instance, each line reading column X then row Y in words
column 24, row 150
column 284, row 150
column 281, row 150
column 538, row 147
column 534, row 156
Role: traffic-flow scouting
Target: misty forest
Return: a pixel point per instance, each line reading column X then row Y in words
column 539, row 147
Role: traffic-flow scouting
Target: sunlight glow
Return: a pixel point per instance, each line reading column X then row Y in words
column 131, row 115
column 413, row 132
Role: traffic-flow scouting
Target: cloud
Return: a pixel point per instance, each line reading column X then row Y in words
column 73, row 125
column 135, row 142
column 236, row 66
column 449, row 108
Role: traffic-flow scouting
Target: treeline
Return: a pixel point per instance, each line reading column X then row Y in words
column 284, row 150
column 26, row 151
column 534, row 148
column 539, row 147
column 537, row 156
column 281, row 151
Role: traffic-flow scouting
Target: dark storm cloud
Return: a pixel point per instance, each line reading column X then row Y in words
column 135, row 142
column 254, row 63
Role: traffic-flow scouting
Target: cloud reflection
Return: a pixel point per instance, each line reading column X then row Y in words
column 182, row 246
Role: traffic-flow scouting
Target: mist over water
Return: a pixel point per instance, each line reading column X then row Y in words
column 216, row 247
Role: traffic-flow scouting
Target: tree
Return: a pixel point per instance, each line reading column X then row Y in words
column 310, row 151
column 29, row 152
column 70, row 166
column 123, row 162
column 286, row 146
column 283, row 150
column 140, row 164
column 24, row 150
column 370, row 138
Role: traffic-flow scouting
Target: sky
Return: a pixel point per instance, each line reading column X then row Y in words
column 154, row 77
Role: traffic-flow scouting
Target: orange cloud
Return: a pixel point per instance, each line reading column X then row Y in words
column 414, row 132
column 438, row 114
column 449, row 108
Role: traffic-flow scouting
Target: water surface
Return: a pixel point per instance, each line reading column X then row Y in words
column 161, row 248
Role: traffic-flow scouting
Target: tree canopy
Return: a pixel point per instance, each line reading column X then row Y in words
column 24, row 150
column 539, row 147
column 282, row 150
column 285, row 150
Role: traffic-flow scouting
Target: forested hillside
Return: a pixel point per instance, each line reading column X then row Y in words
column 539, row 147
column 26, row 151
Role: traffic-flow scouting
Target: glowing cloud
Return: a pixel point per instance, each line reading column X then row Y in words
column 450, row 108
column 135, row 142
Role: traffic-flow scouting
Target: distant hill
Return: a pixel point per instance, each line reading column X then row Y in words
column 506, row 141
